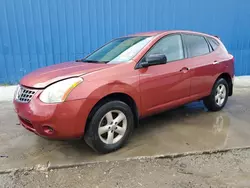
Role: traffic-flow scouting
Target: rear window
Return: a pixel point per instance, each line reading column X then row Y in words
column 214, row 43
column 196, row 45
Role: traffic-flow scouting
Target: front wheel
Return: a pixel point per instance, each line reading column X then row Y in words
column 218, row 97
column 110, row 127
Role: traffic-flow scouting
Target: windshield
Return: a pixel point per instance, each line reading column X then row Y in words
column 119, row 50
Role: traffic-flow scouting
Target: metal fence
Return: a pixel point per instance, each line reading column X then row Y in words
column 37, row 33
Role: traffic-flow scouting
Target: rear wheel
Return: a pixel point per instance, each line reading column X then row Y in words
column 218, row 97
column 110, row 127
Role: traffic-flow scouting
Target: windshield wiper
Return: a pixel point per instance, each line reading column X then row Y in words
column 94, row 61
column 79, row 60
column 91, row 61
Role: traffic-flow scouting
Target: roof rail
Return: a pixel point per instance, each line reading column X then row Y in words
column 217, row 36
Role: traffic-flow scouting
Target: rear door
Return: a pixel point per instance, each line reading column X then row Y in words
column 200, row 63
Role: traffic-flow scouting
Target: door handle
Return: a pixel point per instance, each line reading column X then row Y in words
column 215, row 62
column 185, row 69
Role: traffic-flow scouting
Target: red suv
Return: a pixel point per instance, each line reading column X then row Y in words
column 102, row 97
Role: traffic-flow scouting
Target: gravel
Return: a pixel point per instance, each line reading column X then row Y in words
column 227, row 169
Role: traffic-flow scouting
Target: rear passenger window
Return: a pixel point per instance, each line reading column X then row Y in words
column 213, row 43
column 196, row 45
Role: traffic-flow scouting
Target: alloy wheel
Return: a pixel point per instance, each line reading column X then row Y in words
column 220, row 94
column 112, row 127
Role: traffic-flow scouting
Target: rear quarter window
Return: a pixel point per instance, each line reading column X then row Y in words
column 214, row 43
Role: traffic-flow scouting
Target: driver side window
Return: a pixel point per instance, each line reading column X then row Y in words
column 170, row 46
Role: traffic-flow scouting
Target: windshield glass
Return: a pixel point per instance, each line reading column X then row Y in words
column 119, row 50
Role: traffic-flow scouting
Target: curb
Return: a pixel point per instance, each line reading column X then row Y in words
column 7, row 171
column 164, row 156
column 48, row 167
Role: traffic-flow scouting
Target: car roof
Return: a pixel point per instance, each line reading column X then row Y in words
column 152, row 33
column 155, row 33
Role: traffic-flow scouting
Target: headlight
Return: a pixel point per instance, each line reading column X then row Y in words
column 59, row 91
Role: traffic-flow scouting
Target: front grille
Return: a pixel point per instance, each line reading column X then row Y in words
column 24, row 94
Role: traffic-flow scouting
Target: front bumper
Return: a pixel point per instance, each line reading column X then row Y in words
column 67, row 119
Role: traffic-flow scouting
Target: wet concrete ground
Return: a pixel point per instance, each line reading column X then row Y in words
column 189, row 128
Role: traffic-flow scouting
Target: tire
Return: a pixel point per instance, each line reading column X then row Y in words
column 98, row 136
column 212, row 101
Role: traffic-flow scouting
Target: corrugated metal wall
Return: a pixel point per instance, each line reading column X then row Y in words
column 37, row 33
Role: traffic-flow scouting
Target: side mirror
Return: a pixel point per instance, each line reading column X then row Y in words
column 154, row 59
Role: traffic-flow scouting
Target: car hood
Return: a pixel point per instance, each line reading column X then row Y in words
column 48, row 75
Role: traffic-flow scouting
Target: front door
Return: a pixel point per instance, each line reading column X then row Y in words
column 163, row 85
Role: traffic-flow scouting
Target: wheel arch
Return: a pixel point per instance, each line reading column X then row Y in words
column 115, row 96
column 228, row 78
